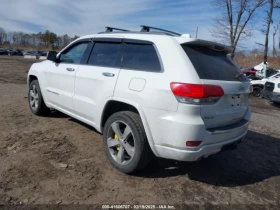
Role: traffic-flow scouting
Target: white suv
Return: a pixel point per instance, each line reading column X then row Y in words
column 150, row 93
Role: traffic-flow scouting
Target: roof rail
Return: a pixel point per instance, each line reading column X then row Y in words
column 110, row 29
column 147, row 29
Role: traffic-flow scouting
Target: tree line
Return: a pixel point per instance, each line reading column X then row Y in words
column 47, row 39
column 233, row 24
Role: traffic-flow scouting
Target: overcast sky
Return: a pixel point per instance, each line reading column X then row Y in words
column 81, row 17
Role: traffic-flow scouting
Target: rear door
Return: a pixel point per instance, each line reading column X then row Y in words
column 95, row 82
column 215, row 67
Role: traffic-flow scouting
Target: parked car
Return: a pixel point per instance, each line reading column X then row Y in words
column 28, row 52
column 272, row 90
column 37, row 54
column 150, row 93
column 44, row 54
column 15, row 52
column 258, row 85
column 41, row 53
column 3, row 51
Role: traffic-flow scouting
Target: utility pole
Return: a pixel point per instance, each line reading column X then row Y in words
column 196, row 32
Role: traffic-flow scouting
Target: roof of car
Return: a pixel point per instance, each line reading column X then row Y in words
column 150, row 36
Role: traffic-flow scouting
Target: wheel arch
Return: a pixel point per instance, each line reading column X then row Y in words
column 30, row 78
column 258, row 85
column 113, row 106
column 116, row 105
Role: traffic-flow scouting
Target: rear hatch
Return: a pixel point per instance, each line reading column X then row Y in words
column 214, row 67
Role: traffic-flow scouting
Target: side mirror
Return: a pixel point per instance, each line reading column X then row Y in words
column 52, row 56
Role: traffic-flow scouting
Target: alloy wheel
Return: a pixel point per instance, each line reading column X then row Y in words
column 120, row 142
column 34, row 98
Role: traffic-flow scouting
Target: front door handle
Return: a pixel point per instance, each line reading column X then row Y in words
column 108, row 74
column 70, row 69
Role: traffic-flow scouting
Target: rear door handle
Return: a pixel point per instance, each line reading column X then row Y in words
column 70, row 69
column 108, row 74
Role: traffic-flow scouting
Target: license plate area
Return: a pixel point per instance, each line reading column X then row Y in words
column 235, row 100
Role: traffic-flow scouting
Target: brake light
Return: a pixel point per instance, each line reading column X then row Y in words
column 193, row 143
column 196, row 93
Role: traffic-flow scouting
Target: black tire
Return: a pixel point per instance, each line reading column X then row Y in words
column 41, row 109
column 257, row 91
column 143, row 154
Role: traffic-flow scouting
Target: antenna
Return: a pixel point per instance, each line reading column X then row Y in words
column 147, row 29
column 110, row 29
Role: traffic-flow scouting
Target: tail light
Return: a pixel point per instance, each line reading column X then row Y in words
column 196, row 93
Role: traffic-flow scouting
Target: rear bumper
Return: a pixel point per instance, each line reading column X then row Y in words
column 171, row 130
column 272, row 96
column 203, row 152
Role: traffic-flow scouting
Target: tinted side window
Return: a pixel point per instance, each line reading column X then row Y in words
column 74, row 54
column 104, row 54
column 140, row 57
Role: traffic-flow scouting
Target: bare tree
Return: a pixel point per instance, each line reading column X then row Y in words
column 231, row 26
column 276, row 28
column 2, row 36
column 10, row 37
column 272, row 5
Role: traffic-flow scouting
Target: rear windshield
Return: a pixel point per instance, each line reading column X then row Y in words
column 213, row 65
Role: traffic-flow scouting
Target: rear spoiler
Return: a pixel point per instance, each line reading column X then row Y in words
column 209, row 44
